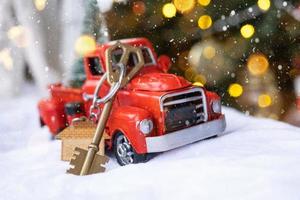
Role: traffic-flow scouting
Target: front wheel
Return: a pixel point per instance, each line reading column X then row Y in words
column 124, row 151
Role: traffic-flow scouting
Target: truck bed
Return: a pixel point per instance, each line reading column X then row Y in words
column 65, row 94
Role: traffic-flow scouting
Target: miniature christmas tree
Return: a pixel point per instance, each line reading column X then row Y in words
column 94, row 25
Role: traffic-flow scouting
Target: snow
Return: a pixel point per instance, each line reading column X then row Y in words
column 253, row 159
column 105, row 5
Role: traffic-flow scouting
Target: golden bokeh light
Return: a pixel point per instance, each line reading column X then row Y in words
column 247, row 31
column 264, row 100
column 184, row 6
column 169, row 10
column 85, row 44
column 204, row 2
column 190, row 74
column 257, row 64
column 40, row 4
column 17, row 34
column 199, row 84
column 209, row 52
column 264, row 4
column 6, row 59
column 200, row 79
column 205, row 22
column 139, row 7
column 235, row 90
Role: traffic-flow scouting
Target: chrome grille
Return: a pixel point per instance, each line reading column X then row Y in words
column 184, row 109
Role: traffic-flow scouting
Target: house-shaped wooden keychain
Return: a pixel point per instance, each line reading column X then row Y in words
column 78, row 134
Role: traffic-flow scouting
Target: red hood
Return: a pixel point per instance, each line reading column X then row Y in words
column 158, row 82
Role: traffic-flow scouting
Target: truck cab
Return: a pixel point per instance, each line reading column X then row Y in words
column 155, row 112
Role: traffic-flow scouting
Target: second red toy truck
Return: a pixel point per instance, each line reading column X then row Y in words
column 155, row 112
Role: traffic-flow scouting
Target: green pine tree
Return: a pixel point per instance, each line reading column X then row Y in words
column 94, row 24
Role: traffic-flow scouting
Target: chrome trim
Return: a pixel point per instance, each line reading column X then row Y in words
column 185, row 136
column 87, row 97
column 197, row 89
column 79, row 119
column 199, row 106
column 181, row 101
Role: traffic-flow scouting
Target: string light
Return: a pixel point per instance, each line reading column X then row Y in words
column 6, row 59
column 199, row 78
column 257, row 64
column 264, row 100
column 205, row 22
column 209, row 52
column 264, row 4
column 138, row 8
column 204, row 2
column 169, row 10
column 199, row 84
column 40, row 4
column 235, row 90
column 17, row 34
column 247, row 31
column 85, row 44
column 184, row 6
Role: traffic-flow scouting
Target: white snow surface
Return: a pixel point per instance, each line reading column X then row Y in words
column 253, row 159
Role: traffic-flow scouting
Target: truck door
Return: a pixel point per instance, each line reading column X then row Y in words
column 94, row 71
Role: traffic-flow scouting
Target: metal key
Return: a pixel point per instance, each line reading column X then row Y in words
column 87, row 162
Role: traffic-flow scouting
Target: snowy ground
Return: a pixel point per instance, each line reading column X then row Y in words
column 254, row 159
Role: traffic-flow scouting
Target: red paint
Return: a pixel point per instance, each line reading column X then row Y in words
column 139, row 100
column 164, row 63
column 158, row 82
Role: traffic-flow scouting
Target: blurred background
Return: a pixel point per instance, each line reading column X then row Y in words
column 247, row 51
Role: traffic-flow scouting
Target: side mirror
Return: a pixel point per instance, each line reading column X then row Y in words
column 164, row 63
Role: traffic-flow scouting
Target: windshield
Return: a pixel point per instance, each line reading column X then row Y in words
column 147, row 54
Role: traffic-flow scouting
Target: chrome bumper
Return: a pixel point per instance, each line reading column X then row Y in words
column 185, row 136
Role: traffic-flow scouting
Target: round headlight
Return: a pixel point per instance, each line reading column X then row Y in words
column 146, row 126
column 216, row 106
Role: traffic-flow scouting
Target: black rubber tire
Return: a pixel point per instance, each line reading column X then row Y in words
column 42, row 123
column 136, row 158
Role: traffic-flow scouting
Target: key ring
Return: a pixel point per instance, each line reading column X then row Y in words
column 113, row 89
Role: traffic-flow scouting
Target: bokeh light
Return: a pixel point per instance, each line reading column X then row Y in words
column 208, row 58
column 138, row 7
column 209, row 52
column 190, row 74
column 235, row 90
column 17, row 34
column 40, row 4
column 205, row 22
column 264, row 4
column 198, row 84
column 204, row 2
column 6, row 59
column 184, row 6
column 85, row 44
column 264, row 100
column 199, row 78
column 257, row 64
column 247, row 31
column 169, row 10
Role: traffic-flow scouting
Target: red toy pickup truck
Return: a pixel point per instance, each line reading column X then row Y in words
column 155, row 112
